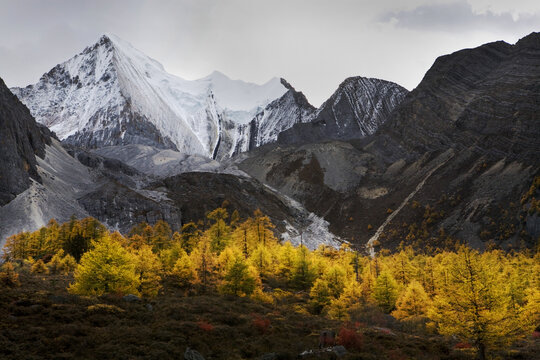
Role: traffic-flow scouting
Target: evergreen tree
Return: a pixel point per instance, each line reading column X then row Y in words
column 263, row 227
column 286, row 258
column 68, row 264
column 107, row 268
column 302, row 276
column 339, row 309
column 367, row 284
column 335, row 276
column 161, row 236
column 385, row 291
column 320, row 295
column 184, row 271
column 8, row 276
column 412, row 303
column 148, row 268
column 170, row 256
column 76, row 238
column 39, row 267
column 261, row 259
column 403, row 269
column 190, row 236
column 472, row 303
column 239, row 279
column 219, row 232
column 135, row 241
column 55, row 265
column 204, row 260
column 17, row 247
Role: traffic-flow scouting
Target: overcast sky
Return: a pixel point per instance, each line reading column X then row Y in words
column 314, row 44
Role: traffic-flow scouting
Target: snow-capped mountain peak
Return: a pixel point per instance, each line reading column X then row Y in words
column 113, row 94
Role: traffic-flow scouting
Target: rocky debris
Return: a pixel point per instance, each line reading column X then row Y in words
column 191, row 354
column 269, row 356
column 157, row 162
column 209, row 190
column 339, row 350
column 332, row 352
column 130, row 298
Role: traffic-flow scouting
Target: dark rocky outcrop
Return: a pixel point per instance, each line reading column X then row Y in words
column 122, row 207
column 356, row 109
column 21, row 139
column 197, row 193
column 487, row 97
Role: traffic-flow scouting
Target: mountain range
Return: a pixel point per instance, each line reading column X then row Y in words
column 113, row 94
column 120, row 139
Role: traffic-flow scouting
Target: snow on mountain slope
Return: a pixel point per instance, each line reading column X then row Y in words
column 281, row 114
column 113, row 94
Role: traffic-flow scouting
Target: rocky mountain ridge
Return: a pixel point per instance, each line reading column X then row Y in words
column 43, row 179
column 356, row 109
column 453, row 162
column 21, row 141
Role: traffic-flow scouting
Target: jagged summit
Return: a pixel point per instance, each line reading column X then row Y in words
column 113, row 94
column 356, row 109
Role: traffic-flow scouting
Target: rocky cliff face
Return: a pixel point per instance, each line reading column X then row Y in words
column 485, row 97
column 357, row 109
column 21, row 141
column 452, row 162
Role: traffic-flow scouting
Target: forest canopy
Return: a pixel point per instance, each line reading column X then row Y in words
column 488, row 299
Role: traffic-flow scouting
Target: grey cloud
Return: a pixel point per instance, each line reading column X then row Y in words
column 459, row 17
column 314, row 44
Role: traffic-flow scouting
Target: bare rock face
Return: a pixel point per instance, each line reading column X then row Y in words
column 121, row 207
column 197, row 193
column 21, row 140
column 487, row 97
column 452, row 161
column 357, row 109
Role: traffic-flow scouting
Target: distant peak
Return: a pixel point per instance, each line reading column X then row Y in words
column 114, row 42
column 113, row 39
column 217, row 75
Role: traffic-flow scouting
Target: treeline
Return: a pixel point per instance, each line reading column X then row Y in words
column 489, row 299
